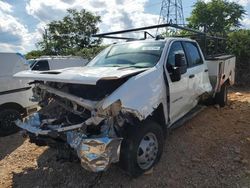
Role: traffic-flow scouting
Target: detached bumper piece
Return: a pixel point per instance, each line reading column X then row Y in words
column 95, row 153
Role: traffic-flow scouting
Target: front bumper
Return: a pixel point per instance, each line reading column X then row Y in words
column 95, row 153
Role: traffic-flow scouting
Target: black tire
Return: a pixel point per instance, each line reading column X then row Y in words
column 221, row 97
column 130, row 148
column 7, row 118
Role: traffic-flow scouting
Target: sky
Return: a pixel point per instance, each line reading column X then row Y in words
column 22, row 22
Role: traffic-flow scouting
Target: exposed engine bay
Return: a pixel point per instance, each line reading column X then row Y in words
column 72, row 114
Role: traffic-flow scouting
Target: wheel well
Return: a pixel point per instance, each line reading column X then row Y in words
column 12, row 105
column 159, row 117
column 227, row 82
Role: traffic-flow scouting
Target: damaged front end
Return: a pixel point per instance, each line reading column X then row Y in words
column 79, row 122
column 93, row 110
column 96, row 154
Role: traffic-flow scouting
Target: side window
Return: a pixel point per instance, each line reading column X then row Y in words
column 193, row 54
column 41, row 65
column 176, row 48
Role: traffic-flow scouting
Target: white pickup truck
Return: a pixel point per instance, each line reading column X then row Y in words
column 119, row 107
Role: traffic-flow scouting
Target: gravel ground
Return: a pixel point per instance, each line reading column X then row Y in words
column 211, row 150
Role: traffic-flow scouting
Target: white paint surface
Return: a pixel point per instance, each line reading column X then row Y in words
column 79, row 75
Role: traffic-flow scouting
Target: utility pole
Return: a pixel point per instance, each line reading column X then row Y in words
column 171, row 12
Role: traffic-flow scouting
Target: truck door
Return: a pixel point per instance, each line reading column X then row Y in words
column 198, row 78
column 180, row 99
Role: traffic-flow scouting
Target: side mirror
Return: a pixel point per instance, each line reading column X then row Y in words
column 179, row 68
column 176, row 74
column 181, row 63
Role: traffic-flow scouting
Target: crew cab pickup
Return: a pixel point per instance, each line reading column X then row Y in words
column 119, row 107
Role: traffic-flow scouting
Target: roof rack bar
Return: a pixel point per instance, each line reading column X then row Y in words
column 148, row 27
column 113, row 37
column 209, row 43
column 104, row 35
column 131, row 30
column 147, row 33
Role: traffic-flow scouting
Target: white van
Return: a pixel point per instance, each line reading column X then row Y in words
column 14, row 93
column 45, row 63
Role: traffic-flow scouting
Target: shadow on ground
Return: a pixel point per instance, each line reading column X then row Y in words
column 10, row 143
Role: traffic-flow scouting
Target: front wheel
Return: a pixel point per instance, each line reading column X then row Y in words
column 7, row 124
column 142, row 148
column 221, row 97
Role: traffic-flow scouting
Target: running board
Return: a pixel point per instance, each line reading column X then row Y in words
column 187, row 117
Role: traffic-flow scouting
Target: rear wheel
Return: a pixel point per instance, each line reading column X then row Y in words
column 7, row 124
column 142, row 148
column 221, row 97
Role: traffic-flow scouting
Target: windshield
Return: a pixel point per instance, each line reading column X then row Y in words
column 136, row 54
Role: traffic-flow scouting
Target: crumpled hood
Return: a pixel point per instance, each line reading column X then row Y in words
column 79, row 75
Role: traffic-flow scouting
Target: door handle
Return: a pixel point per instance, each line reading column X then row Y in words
column 191, row 76
column 206, row 70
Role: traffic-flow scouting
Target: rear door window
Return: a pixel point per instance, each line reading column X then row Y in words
column 193, row 54
column 41, row 65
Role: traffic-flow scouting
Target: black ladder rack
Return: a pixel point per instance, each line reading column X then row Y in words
column 211, row 46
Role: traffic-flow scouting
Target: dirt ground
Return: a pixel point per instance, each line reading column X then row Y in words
column 211, row 150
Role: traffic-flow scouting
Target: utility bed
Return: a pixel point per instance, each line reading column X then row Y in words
column 221, row 69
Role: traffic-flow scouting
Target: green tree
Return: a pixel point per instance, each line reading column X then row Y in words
column 89, row 53
column 34, row 54
column 72, row 32
column 238, row 43
column 216, row 16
